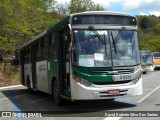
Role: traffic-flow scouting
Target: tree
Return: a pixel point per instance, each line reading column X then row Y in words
column 62, row 10
column 21, row 20
column 84, row 5
column 145, row 22
column 43, row 5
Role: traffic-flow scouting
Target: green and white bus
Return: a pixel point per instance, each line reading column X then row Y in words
column 86, row 56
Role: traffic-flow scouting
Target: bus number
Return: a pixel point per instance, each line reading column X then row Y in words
column 124, row 77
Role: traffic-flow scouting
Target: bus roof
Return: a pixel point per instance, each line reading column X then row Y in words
column 101, row 13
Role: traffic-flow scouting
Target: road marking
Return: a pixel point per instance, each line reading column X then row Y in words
column 10, row 97
column 112, row 118
column 40, row 100
column 16, row 109
column 1, row 88
column 142, row 99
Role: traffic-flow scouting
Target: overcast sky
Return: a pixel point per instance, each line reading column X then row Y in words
column 133, row 7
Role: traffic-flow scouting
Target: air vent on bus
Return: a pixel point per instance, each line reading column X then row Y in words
column 112, row 83
column 113, row 72
column 124, row 71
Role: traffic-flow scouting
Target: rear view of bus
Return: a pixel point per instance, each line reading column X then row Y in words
column 105, row 56
column 156, row 59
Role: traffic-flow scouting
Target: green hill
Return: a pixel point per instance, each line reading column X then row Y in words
column 149, row 33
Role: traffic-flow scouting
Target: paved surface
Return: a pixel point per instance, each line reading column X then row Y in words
column 18, row 99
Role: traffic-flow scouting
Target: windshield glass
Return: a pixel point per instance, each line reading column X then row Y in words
column 147, row 59
column 90, row 50
column 156, row 55
column 125, row 50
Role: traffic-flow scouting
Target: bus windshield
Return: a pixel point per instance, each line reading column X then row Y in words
column 147, row 59
column 93, row 51
column 156, row 55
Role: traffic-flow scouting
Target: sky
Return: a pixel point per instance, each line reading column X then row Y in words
column 132, row 7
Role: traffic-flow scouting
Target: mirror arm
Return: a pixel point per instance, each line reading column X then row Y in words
column 71, row 43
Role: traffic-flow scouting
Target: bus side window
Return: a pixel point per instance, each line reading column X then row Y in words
column 29, row 54
column 49, row 46
column 45, row 48
column 67, row 43
column 25, row 55
column 53, row 45
column 40, row 50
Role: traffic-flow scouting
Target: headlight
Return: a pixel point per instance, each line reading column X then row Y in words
column 135, row 80
column 83, row 82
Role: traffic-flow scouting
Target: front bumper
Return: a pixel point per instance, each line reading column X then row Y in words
column 95, row 92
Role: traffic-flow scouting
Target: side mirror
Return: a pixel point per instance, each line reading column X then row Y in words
column 71, row 43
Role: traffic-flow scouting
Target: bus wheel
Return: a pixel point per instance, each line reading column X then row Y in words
column 56, row 93
column 30, row 90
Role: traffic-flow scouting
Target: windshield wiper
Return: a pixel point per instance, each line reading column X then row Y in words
column 114, row 44
column 115, row 40
column 102, row 41
column 119, row 35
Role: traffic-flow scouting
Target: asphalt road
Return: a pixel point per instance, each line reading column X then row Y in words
column 18, row 99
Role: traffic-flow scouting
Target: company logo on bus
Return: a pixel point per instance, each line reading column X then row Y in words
column 42, row 68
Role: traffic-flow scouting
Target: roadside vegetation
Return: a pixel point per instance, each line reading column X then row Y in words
column 149, row 33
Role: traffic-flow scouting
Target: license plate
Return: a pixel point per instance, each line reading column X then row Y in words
column 115, row 91
column 125, row 77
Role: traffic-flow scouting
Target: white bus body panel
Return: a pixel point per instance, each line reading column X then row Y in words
column 150, row 68
column 80, row 92
column 41, row 75
column 28, row 73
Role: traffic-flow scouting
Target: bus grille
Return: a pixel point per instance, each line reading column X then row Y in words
column 112, row 83
column 124, row 71
column 114, row 72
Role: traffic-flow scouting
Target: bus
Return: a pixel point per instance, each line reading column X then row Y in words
column 147, row 63
column 156, row 57
column 86, row 56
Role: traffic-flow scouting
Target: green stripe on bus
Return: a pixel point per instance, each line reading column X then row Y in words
column 92, row 74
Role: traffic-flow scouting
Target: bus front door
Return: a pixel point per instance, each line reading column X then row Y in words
column 64, row 71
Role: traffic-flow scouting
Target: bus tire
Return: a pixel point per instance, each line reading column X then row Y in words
column 56, row 93
column 30, row 90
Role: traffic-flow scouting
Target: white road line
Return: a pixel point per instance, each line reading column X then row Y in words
column 40, row 100
column 112, row 118
column 142, row 99
column 1, row 88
